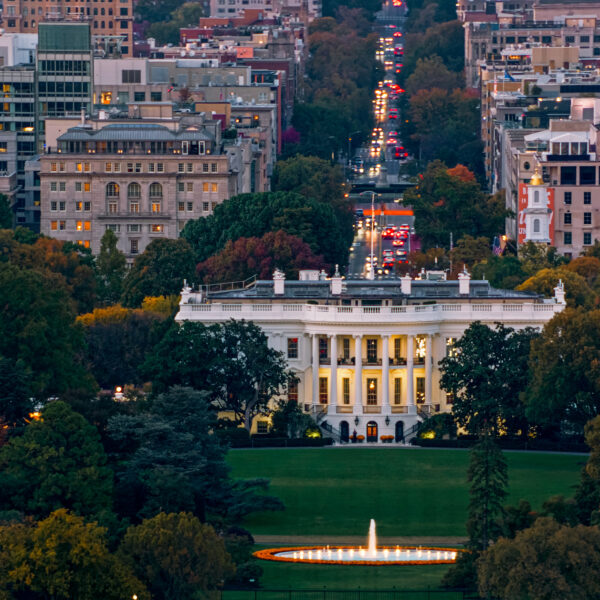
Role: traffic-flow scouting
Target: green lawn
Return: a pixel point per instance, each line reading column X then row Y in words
column 409, row 492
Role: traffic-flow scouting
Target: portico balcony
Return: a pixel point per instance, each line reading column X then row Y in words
column 371, row 362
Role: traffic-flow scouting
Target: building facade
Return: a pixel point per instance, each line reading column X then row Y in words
column 366, row 353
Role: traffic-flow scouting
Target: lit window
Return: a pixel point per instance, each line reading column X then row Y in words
column 450, row 349
column 157, row 228
column 79, row 226
column 323, row 392
column 87, row 225
column 181, row 206
column 53, row 225
column 214, row 187
column 205, row 187
column 86, row 186
column 156, row 207
column 292, row 348
column 78, row 205
column 62, row 225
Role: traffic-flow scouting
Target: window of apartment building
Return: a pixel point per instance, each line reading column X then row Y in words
column 62, row 167
column 181, row 206
column 568, row 197
column 323, row 392
column 587, row 175
column 449, row 397
column 62, row 186
column 587, row 218
column 371, row 391
column 205, row 207
column 53, row 205
column 133, row 246
column 180, row 186
column 546, row 39
column 205, row 187
column 292, row 390
column 139, row 96
column 134, row 228
column 62, row 206
column 134, row 205
column 190, row 187
column 53, row 225
column 345, row 390
column 180, row 167
column 568, row 175
column 567, row 218
column 420, row 390
column 567, row 238
column 151, row 168
column 53, row 167
column 587, row 197
column 213, row 205
column 156, row 228
column 587, row 238
column 205, row 167
column 213, row 167
column 53, row 186
column 114, row 227
column 570, row 39
column 78, row 186
column 83, row 226
column 79, row 205
column 134, row 167
column 131, row 75
column 87, row 206
column 189, row 167
column 292, row 347
column 156, row 190
column 214, row 187
column 62, row 225
column 116, row 167
column 584, row 39
column 155, row 96
column 156, row 206
column 108, row 167
column 190, row 206
column 397, row 390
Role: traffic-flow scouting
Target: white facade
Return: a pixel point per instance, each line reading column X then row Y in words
column 368, row 362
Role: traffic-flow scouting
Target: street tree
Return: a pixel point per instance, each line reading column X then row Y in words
column 176, row 556
column 171, row 459
column 62, row 557
column 487, row 371
column 431, row 72
column 58, row 462
column 564, row 391
column 548, row 561
column 111, row 267
column 159, row 271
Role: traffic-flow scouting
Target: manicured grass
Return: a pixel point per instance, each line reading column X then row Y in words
column 409, row 492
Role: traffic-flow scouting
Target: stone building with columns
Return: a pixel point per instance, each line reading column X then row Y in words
column 365, row 353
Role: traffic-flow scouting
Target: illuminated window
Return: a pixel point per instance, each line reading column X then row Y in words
column 87, row 225
column 397, row 390
column 450, row 349
column 420, row 390
column 79, row 226
column 53, row 225
column 156, row 228
column 79, row 167
column 86, row 167
column 449, row 397
column 323, row 392
column 292, row 390
column 86, row 186
column 108, row 167
column 112, row 190
column 371, row 350
column 421, row 349
column 78, row 205
column 205, row 187
column 134, row 206
column 214, row 187
column 62, row 225
column 105, row 97
column 156, row 207
column 346, row 390
column 53, row 167
column 371, row 391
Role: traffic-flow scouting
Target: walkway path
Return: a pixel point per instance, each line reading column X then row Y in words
column 357, row 540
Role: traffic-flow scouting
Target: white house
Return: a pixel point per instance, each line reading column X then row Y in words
column 366, row 353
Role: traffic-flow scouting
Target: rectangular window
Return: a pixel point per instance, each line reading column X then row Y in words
column 180, row 167
column 116, row 167
column 190, row 167
column 160, row 167
column 587, row 197
column 397, row 390
column 135, row 228
column 397, row 348
column 155, row 206
column 567, row 218
column 62, row 206
column 53, row 167
column 53, row 186
column 62, row 225
column 587, row 218
column 345, row 390
column 150, row 167
column 87, row 186
column 587, row 238
column 371, row 350
column 156, row 228
column 213, row 167
column 205, row 187
column 79, row 226
column 78, row 187
column 323, row 392
column 139, row 96
column 131, row 76
column 205, row 167
column 262, row 427
column 190, row 206
column 292, row 348
column 190, row 187
column 108, row 167
column 79, row 167
column 205, row 207
column 155, row 96
column 133, row 246
column 214, row 187
column 181, row 206
column 420, row 389
column 450, row 349
column 53, row 205
column 62, row 186
column 180, row 186
column 87, row 206
column 568, row 197
column 371, row 391
column 449, row 397
column 78, row 205
column 346, row 348
column 292, row 390
column 61, row 167
column 53, row 225
column 568, row 175
column 323, row 351
column 587, row 175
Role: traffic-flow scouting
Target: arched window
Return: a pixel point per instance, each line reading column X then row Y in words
column 536, row 196
column 536, row 226
column 112, row 190
column 134, row 190
column 155, row 190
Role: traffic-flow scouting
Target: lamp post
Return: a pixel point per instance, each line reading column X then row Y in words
column 349, row 146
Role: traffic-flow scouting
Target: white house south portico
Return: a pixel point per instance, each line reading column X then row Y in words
column 366, row 353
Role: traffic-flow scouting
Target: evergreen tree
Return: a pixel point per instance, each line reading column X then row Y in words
column 111, row 267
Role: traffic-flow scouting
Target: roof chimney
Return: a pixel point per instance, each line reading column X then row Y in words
column 406, row 284
column 278, row 282
column 336, row 282
column 464, row 283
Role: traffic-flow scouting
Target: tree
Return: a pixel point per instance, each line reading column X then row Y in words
column 38, row 328
column 15, row 394
column 586, row 266
column 111, row 267
column 231, row 360
column 488, row 372
column 63, row 557
column 577, row 291
column 118, row 340
column 57, row 462
column 469, row 251
column 176, row 556
column 159, row 271
column 545, row 562
column 488, row 477
column 253, row 215
column 535, row 257
column 289, row 421
column 172, row 460
column 445, row 204
column 503, row 272
column 6, row 214
column 246, row 257
column 166, row 30
column 564, row 391
column 431, row 72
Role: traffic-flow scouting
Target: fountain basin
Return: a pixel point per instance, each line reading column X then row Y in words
column 357, row 555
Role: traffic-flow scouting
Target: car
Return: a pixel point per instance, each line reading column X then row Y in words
column 388, row 264
column 398, row 242
column 392, row 141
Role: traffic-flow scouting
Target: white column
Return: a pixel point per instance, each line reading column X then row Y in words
column 410, row 395
column 315, row 371
column 428, row 367
column 358, row 375
column 385, row 369
column 332, row 409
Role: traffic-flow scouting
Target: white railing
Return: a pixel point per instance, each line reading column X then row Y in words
column 490, row 312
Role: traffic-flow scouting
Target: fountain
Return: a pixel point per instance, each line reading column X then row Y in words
column 358, row 555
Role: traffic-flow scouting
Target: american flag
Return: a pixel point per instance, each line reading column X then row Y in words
column 496, row 247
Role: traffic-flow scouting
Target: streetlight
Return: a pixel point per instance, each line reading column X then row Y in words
column 371, row 274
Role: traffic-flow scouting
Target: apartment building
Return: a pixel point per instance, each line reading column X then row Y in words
column 141, row 179
column 366, row 353
column 107, row 19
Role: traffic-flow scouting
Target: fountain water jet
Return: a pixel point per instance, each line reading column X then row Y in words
column 372, row 547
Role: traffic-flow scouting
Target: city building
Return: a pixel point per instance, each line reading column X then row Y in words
column 110, row 20
column 366, row 353
column 144, row 177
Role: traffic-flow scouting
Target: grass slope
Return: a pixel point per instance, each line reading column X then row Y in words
column 409, row 492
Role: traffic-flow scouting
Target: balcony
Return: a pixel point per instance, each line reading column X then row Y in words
column 397, row 361
column 351, row 361
column 8, row 182
column 324, row 360
column 371, row 361
column 143, row 214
